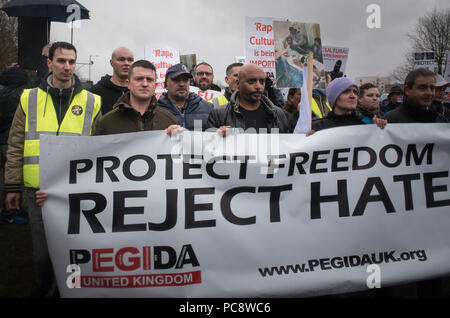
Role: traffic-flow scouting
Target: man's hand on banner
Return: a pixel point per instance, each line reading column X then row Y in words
column 224, row 130
column 41, row 196
column 174, row 130
column 310, row 133
column 380, row 122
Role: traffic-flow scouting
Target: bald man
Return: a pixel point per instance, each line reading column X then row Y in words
column 110, row 88
column 249, row 109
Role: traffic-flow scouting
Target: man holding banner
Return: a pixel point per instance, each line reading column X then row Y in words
column 37, row 115
column 137, row 109
column 249, row 108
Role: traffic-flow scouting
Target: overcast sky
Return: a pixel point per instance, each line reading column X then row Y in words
column 215, row 30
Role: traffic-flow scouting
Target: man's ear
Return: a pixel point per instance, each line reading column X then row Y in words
column 406, row 90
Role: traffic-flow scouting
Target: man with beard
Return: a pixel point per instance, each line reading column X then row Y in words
column 249, row 108
column 187, row 107
column 110, row 88
column 204, row 76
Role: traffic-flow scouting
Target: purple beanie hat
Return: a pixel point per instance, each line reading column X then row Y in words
column 337, row 87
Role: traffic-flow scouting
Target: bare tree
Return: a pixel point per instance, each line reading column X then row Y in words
column 431, row 33
column 398, row 75
column 8, row 39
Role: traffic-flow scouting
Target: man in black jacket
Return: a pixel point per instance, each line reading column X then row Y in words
column 419, row 95
column 248, row 107
column 110, row 88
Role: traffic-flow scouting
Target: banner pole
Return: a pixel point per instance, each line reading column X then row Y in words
column 310, row 78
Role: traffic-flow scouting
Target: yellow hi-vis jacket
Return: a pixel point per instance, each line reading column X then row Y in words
column 41, row 119
column 316, row 109
column 219, row 101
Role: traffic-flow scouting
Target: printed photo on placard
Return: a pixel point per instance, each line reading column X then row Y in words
column 293, row 42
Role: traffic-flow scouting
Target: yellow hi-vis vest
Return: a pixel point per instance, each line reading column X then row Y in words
column 219, row 101
column 41, row 119
column 316, row 110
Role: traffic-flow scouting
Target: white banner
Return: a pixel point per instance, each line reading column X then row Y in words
column 259, row 43
column 162, row 57
column 273, row 215
column 424, row 60
column 207, row 95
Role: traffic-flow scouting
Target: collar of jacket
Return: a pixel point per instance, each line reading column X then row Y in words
column 47, row 86
column 106, row 82
column 264, row 102
column 368, row 113
column 123, row 103
column 353, row 115
column 416, row 111
column 192, row 99
column 227, row 93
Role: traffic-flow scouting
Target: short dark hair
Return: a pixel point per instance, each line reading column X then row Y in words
column 202, row 63
column 60, row 45
column 364, row 87
column 413, row 75
column 293, row 91
column 141, row 63
column 229, row 67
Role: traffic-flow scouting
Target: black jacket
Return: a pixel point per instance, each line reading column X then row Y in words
column 13, row 80
column 109, row 92
column 442, row 108
column 332, row 120
column 410, row 113
column 229, row 115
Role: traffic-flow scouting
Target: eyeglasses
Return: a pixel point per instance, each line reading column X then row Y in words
column 204, row 74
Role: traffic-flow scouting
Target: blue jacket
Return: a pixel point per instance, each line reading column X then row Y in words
column 195, row 108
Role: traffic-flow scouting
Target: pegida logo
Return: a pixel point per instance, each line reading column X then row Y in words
column 129, row 259
column 77, row 110
column 132, row 258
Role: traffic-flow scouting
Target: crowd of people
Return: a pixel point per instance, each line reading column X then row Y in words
column 55, row 103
